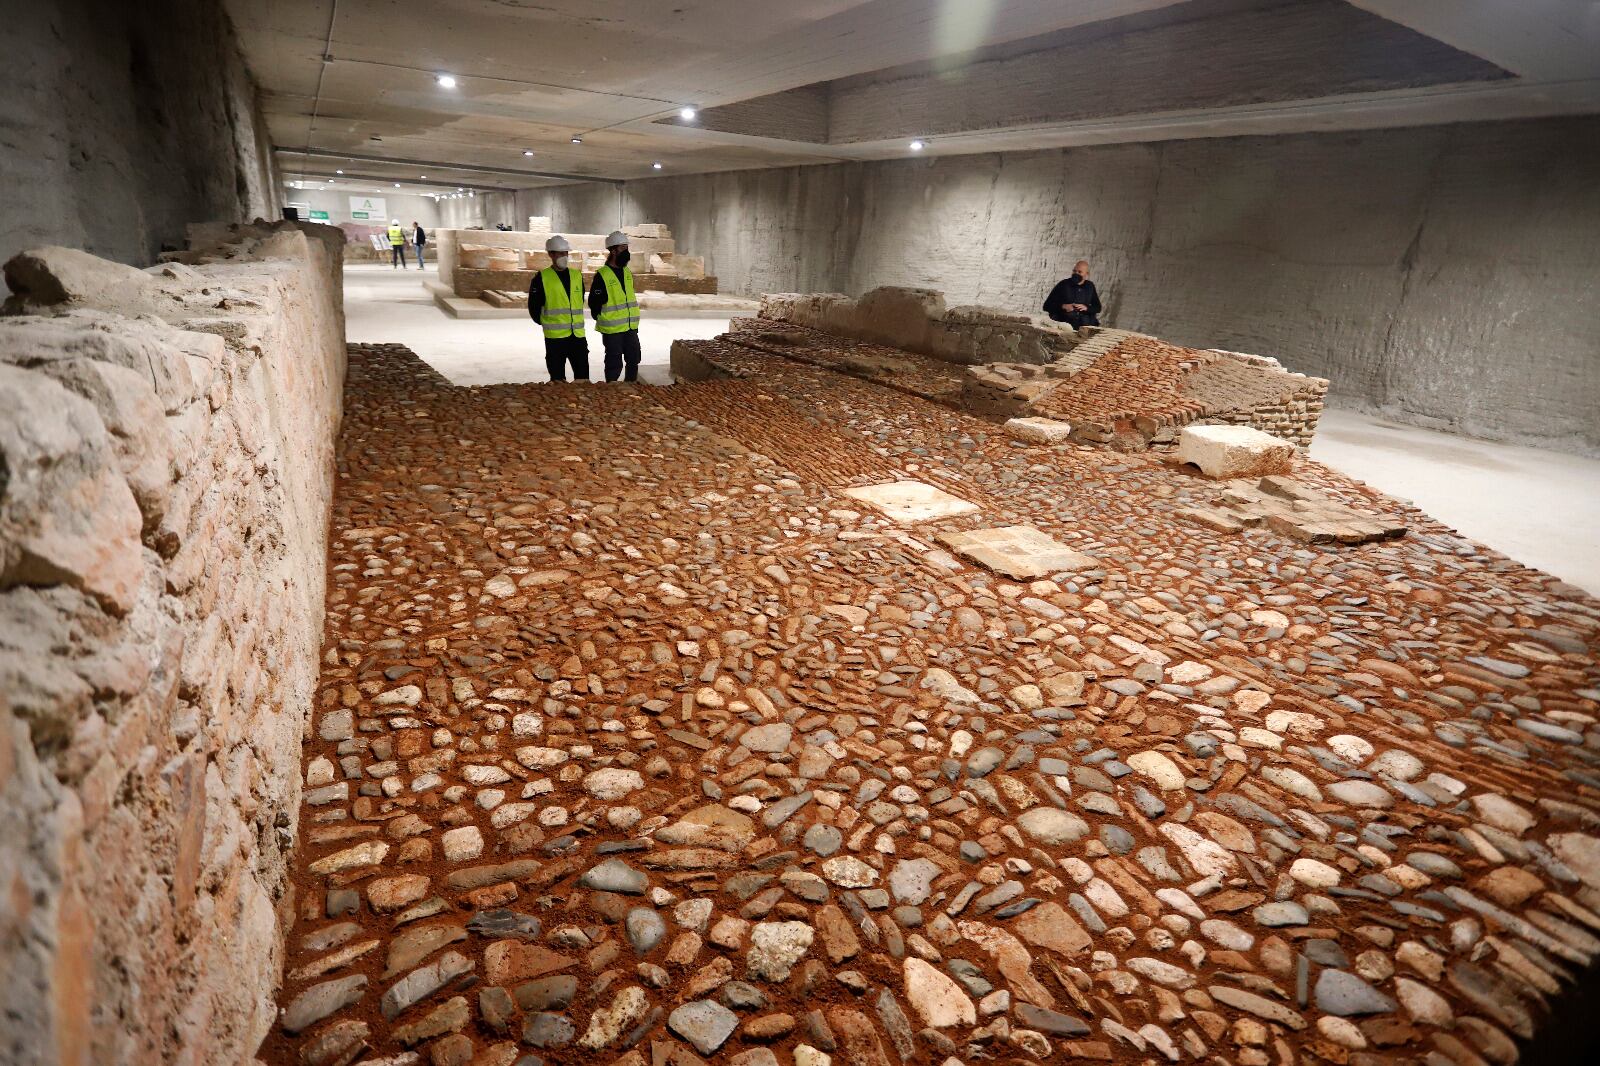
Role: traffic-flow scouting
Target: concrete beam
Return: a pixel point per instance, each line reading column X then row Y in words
column 434, row 164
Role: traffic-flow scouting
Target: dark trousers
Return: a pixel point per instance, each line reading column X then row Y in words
column 397, row 255
column 1077, row 319
column 622, row 349
column 562, row 351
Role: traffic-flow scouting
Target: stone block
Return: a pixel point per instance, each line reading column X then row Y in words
column 1039, row 430
column 1020, row 552
column 1233, row 451
column 48, row 276
column 911, row 501
column 68, row 517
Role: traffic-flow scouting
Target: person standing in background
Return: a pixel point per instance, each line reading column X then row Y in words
column 555, row 301
column 615, row 308
column 1074, row 300
column 419, row 237
column 397, row 244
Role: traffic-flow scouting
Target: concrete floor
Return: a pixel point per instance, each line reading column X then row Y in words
column 385, row 304
column 1541, row 508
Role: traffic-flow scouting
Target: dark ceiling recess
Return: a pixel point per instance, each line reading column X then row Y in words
column 1202, row 54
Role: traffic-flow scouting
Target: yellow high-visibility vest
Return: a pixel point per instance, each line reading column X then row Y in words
column 621, row 310
column 562, row 314
column 397, row 235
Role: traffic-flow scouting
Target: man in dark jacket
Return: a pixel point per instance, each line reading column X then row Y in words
column 419, row 237
column 1074, row 300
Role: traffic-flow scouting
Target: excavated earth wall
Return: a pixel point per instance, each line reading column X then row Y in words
column 1457, row 299
column 165, row 477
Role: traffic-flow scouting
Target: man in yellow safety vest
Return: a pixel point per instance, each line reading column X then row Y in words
column 616, row 310
column 397, row 244
column 555, row 301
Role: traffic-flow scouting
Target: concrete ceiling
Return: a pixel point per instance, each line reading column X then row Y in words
column 352, row 84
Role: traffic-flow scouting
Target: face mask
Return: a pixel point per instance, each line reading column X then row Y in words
column 623, row 257
column 561, row 262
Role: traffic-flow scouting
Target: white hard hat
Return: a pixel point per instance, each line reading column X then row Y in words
column 616, row 238
column 394, row 222
column 558, row 243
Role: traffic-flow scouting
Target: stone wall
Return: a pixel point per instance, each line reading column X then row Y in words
column 917, row 320
column 1439, row 275
column 122, row 122
column 166, row 465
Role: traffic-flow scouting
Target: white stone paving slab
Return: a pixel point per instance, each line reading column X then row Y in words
column 1039, row 430
column 911, row 501
column 1020, row 552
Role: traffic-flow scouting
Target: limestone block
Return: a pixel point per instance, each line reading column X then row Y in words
column 911, row 501
column 1233, row 451
column 1020, row 552
column 67, row 516
column 1039, row 430
column 648, row 229
column 52, row 275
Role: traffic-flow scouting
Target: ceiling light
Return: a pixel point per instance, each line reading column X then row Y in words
column 917, row 146
column 687, row 114
column 446, row 81
column 397, row 184
column 577, row 140
column 338, row 172
column 423, row 177
column 655, row 166
column 527, row 151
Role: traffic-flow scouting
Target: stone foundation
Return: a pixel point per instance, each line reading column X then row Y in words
column 163, row 521
column 917, row 320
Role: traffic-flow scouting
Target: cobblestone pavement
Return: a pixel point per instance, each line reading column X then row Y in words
column 639, row 742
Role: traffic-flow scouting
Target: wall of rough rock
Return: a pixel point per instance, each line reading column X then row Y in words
column 1438, row 275
column 122, row 122
column 166, row 468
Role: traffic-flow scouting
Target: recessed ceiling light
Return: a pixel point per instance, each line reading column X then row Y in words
column 397, row 184
column 577, row 140
column 446, row 82
column 338, row 172
column 655, row 166
column 917, row 146
column 687, row 114
column 527, row 151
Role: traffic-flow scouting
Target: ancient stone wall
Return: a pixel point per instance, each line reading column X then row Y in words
column 917, row 320
column 166, row 462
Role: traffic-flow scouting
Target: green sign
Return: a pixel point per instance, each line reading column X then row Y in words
column 319, row 216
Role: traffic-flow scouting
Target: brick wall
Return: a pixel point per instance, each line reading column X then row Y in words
column 166, row 439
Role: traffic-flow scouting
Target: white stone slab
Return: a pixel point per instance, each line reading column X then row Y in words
column 911, row 501
column 1233, row 451
column 1020, row 552
column 1038, row 430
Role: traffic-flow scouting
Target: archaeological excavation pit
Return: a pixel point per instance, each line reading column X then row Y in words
column 1077, row 543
